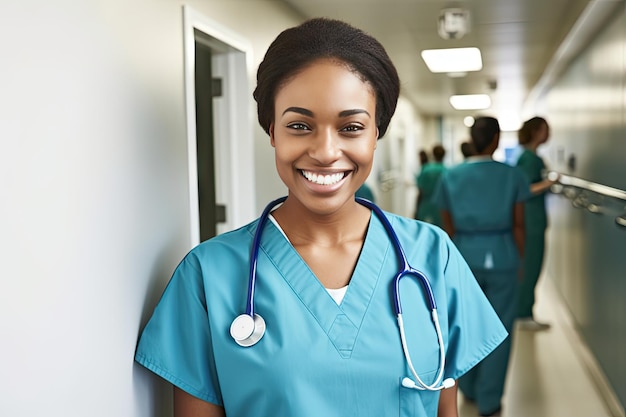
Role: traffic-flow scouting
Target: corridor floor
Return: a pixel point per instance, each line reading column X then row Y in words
column 547, row 376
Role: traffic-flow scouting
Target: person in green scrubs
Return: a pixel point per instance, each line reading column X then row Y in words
column 533, row 133
column 482, row 203
column 427, row 181
column 422, row 155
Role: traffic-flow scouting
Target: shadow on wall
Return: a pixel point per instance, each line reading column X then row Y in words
column 153, row 395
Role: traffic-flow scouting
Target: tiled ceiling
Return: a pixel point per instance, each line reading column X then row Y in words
column 517, row 38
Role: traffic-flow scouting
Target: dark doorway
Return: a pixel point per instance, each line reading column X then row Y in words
column 206, row 88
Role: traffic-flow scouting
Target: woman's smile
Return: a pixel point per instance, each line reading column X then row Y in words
column 322, row 178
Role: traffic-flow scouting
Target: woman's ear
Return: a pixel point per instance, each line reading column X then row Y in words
column 271, row 131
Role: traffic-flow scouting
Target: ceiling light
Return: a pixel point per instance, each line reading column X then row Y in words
column 470, row 102
column 468, row 121
column 453, row 59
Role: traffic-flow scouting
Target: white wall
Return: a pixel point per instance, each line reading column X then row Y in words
column 93, row 176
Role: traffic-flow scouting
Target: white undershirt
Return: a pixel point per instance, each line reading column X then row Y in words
column 337, row 294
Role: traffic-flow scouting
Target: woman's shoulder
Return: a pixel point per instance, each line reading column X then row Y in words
column 234, row 240
column 411, row 229
column 527, row 157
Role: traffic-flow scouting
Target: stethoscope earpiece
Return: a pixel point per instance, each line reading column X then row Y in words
column 247, row 331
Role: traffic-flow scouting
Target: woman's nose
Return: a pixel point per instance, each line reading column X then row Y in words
column 326, row 146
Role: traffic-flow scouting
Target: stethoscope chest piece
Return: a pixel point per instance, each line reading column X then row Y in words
column 247, row 331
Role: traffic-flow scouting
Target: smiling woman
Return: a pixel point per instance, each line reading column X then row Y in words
column 324, row 264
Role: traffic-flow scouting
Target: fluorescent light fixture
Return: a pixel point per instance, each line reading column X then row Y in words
column 453, row 60
column 470, row 102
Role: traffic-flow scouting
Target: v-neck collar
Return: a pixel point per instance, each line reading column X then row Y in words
column 340, row 322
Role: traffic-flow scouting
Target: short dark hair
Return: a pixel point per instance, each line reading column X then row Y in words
column 467, row 149
column 320, row 38
column 439, row 152
column 483, row 131
column 530, row 126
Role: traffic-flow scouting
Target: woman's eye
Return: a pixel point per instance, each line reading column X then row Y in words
column 298, row 126
column 352, row 128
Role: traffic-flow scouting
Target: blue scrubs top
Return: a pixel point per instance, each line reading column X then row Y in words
column 480, row 195
column 317, row 358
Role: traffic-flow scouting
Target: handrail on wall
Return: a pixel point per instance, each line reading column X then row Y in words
column 589, row 195
column 588, row 185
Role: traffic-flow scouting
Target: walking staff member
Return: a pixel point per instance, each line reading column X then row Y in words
column 483, row 211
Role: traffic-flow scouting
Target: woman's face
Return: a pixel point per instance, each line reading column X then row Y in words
column 324, row 134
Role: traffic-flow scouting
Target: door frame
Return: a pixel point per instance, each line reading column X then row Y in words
column 234, row 158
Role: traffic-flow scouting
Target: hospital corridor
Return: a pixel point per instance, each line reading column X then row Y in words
column 140, row 142
column 550, row 372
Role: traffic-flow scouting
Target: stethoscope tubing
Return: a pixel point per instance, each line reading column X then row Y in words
column 405, row 268
column 252, row 336
column 254, row 254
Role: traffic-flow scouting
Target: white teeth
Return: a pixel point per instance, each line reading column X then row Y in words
column 323, row 179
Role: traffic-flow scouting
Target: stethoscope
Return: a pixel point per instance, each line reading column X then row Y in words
column 248, row 328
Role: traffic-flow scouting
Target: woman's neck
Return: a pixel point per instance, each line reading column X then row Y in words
column 303, row 226
column 532, row 146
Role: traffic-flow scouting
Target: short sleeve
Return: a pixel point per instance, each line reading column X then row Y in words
column 176, row 342
column 474, row 328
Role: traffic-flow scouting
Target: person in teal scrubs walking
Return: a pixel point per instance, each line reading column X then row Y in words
column 326, row 266
column 427, row 181
column 482, row 204
column 423, row 158
column 533, row 133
